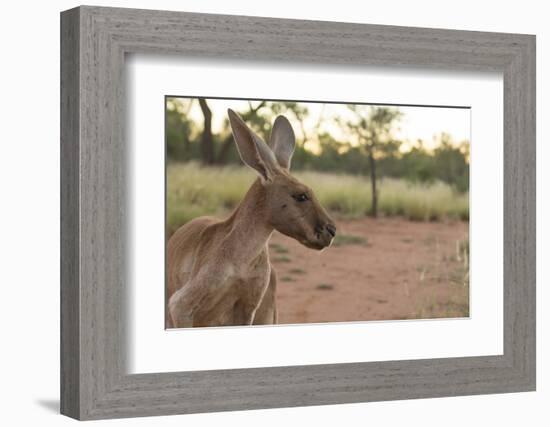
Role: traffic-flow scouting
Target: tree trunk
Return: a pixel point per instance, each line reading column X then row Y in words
column 207, row 143
column 227, row 143
column 372, row 163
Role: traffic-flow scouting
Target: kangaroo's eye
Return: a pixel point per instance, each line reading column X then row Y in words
column 301, row 197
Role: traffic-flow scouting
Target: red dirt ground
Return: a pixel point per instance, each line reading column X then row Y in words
column 379, row 269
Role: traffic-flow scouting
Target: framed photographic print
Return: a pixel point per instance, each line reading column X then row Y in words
column 262, row 213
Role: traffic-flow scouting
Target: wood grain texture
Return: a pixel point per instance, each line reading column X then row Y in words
column 70, row 292
column 94, row 267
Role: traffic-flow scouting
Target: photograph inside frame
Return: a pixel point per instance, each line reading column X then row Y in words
column 293, row 212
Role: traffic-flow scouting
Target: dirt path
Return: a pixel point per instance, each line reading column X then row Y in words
column 377, row 270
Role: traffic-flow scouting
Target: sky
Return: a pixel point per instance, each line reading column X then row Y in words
column 417, row 122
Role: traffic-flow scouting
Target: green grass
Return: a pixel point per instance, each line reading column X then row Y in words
column 325, row 287
column 278, row 249
column 193, row 191
column 282, row 258
column 347, row 239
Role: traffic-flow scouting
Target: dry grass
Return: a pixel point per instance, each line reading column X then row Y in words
column 453, row 271
column 193, row 191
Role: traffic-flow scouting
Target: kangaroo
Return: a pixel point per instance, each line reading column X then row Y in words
column 219, row 273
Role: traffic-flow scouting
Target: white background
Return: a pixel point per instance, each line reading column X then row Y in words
column 152, row 349
column 29, row 214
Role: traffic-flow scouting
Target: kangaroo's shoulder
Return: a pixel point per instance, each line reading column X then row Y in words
column 192, row 228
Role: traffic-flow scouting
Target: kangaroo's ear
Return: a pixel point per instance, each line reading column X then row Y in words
column 253, row 151
column 282, row 141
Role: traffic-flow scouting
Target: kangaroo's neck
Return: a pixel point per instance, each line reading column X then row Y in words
column 248, row 227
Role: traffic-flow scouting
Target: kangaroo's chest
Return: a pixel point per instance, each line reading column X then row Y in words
column 235, row 296
column 248, row 284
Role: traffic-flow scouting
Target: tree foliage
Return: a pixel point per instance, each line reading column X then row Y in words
column 373, row 128
column 371, row 147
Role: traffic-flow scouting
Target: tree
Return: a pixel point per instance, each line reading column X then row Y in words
column 249, row 116
column 179, row 128
column 373, row 128
column 259, row 116
column 451, row 163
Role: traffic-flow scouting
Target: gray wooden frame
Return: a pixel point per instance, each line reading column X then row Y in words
column 94, row 41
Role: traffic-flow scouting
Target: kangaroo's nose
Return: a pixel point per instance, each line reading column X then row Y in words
column 331, row 229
